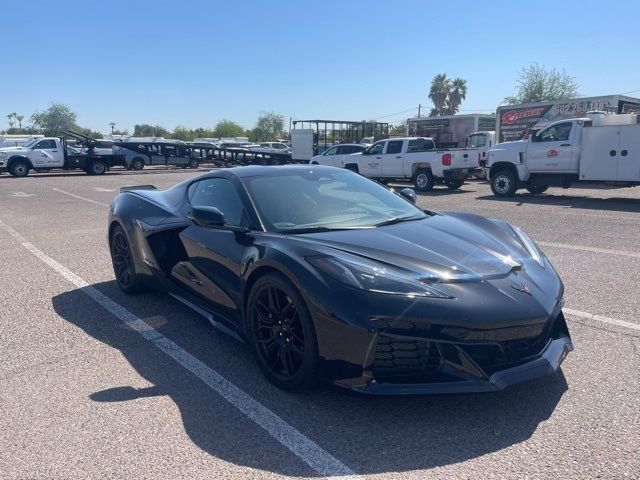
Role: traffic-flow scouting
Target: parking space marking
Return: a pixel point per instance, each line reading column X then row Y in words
column 81, row 198
column 590, row 249
column 602, row 318
column 299, row 444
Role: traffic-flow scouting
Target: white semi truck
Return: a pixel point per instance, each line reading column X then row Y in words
column 600, row 148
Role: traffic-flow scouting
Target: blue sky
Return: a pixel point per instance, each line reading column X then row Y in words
column 193, row 63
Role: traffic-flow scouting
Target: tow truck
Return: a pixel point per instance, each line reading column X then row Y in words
column 48, row 153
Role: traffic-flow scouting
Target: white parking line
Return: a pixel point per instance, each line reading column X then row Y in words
column 81, row 198
column 590, row 249
column 299, row 444
column 601, row 318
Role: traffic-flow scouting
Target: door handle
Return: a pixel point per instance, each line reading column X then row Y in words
column 565, row 144
column 398, row 157
column 378, row 158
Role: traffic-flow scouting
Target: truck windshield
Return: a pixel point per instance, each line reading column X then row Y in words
column 31, row 143
column 477, row 141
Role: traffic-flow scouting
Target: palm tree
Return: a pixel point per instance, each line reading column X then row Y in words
column 439, row 91
column 457, row 94
column 19, row 118
column 11, row 117
column 113, row 126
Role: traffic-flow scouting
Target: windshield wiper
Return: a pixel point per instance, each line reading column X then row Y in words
column 318, row 228
column 395, row 220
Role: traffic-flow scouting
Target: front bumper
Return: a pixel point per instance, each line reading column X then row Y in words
column 460, row 173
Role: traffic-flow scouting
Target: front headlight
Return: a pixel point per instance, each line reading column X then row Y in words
column 529, row 245
column 380, row 278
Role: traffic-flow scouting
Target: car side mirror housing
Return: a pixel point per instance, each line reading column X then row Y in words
column 208, row 217
column 409, row 194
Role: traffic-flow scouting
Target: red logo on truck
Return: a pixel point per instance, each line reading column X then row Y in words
column 509, row 118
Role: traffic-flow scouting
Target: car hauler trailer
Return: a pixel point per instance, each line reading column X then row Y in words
column 49, row 153
column 515, row 122
column 599, row 148
column 450, row 131
column 312, row 137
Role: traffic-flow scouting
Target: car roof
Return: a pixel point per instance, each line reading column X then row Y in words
column 266, row 171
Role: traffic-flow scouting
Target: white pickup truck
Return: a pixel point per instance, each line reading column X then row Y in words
column 599, row 148
column 415, row 159
column 44, row 154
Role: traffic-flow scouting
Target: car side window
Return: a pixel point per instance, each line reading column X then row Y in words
column 45, row 145
column 394, row 146
column 556, row 133
column 222, row 194
column 421, row 145
column 376, row 148
column 331, row 151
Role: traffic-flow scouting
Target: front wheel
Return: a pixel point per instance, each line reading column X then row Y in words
column 535, row 189
column 454, row 184
column 137, row 164
column 19, row 168
column 193, row 163
column 503, row 184
column 423, row 180
column 281, row 333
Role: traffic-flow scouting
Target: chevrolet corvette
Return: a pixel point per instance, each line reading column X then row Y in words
column 327, row 275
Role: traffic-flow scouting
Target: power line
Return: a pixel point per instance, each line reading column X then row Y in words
column 397, row 113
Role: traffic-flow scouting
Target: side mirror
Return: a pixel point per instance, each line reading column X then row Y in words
column 409, row 194
column 207, row 217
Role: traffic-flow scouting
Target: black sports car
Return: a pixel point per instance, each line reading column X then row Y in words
column 329, row 275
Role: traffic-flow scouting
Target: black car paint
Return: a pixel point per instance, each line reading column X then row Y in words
column 221, row 265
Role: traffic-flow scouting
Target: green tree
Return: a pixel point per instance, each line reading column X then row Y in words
column 227, row 128
column 439, row 92
column 19, row 118
column 54, row 119
column 269, row 126
column 146, row 130
column 397, row 129
column 457, row 94
column 536, row 84
column 11, row 118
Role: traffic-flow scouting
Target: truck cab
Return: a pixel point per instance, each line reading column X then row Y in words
column 39, row 153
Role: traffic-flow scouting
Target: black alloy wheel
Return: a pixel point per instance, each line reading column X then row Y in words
column 122, row 260
column 282, row 333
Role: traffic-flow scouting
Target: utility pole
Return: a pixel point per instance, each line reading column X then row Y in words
column 419, row 108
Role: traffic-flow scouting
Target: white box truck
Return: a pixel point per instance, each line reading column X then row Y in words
column 450, row 131
column 599, row 147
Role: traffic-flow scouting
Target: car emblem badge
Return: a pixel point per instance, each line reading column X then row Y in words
column 522, row 288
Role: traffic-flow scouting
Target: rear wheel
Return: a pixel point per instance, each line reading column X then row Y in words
column 193, row 163
column 535, row 189
column 19, row 168
column 123, row 265
column 454, row 184
column 423, row 180
column 137, row 164
column 503, row 183
column 97, row 167
column 282, row 334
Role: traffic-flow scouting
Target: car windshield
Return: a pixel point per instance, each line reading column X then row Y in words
column 308, row 200
column 30, row 143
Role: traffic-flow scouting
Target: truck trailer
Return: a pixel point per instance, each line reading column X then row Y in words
column 515, row 122
column 450, row 131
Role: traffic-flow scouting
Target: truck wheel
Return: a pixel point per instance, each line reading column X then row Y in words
column 503, row 184
column 19, row 168
column 535, row 189
column 193, row 163
column 423, row 180
column 137, row 164
column 97, row 168
column 454, row 184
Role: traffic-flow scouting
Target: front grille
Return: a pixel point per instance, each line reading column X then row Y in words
column 401, row 358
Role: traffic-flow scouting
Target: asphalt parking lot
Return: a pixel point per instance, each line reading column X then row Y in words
column 89, row 391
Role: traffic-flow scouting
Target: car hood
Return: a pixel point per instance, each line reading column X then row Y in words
column 14, row 149
column 515, row 146
column 447, row 243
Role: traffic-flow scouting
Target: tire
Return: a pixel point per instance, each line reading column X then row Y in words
column 503, row 183
column 137, row 164
column 97, row 167
column 281, row 333
column 423, row 180
column 19, row 168
column 123, row 266
column 454, row 184
column 536, row 189
column 193, row 163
